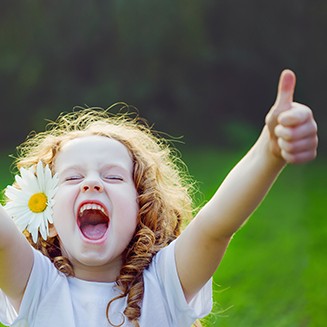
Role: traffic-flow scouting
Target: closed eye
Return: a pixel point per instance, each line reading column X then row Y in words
column 114, row 178
column 73, row 178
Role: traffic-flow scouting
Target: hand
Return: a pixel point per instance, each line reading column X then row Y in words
column 291, row 125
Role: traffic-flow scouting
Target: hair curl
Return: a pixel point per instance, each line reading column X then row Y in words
column 160, row 178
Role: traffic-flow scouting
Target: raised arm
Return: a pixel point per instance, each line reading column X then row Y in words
column 289, row 136
column 16, row 260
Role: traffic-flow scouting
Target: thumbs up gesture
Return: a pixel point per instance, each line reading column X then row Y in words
column 292, row 128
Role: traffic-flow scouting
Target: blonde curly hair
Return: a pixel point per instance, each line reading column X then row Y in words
column 161, row 179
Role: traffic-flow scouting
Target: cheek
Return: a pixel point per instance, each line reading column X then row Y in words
column 64, row 198
column 129, row 217
column 134, row 209
column 62, row 209
column 129, row 222
column 127, row 201
column 58, row 207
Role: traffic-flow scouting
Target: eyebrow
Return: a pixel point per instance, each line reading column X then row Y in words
column 115, row 166
column 75, row 167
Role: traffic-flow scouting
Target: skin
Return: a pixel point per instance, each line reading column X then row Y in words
column 289, row 136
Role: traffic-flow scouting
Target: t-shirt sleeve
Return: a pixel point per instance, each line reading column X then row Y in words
column 7, row 312
column 182, row 311
column 42, row 276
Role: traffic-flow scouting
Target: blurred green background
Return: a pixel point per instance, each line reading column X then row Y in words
column 205, row 70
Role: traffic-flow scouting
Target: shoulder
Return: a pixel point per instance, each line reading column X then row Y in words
column 163, row 262
column 163, row 293
column 44, row 282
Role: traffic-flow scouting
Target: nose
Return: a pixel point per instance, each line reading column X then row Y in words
column 92, row 185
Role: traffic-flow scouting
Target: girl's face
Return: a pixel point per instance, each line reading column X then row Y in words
column 95, row 210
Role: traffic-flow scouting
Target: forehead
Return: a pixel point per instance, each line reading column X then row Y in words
column 93, row 149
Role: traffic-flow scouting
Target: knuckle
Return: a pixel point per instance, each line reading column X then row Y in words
column 314, row 126
column 288, row 135
column 286, row 146
column 277, row 130
column 288, row 157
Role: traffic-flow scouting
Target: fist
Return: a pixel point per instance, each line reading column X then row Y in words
column 292, row 128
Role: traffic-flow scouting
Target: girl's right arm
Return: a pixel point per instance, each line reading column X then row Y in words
column 290, row 135
column 16, row 260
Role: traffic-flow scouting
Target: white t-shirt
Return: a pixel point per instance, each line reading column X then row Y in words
column 51, row 299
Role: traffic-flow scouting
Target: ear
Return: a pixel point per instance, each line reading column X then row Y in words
column 52, row 231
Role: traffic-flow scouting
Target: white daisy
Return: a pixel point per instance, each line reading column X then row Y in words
column 30, row 205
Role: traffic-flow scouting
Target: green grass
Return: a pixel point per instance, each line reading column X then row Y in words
column 274, row 271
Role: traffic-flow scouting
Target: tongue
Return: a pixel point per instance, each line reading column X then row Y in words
column 94, row 232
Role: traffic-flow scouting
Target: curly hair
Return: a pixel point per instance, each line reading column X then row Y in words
column 160, row 177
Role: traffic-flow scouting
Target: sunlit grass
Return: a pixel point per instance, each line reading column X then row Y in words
column 273, row 271
column 273, row 274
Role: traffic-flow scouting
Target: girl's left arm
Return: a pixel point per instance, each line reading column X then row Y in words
column 289, row 136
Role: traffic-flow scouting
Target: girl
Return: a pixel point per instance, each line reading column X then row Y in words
column 101, row 200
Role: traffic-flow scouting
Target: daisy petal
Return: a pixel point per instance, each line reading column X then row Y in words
column 35, row 184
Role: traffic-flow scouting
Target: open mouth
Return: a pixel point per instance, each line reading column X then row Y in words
column 93, row 221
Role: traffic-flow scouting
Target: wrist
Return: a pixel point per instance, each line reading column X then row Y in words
column 268, row 150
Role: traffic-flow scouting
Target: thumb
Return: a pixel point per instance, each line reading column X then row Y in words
column 283, row 103
column 286, row 87
column 283, row 100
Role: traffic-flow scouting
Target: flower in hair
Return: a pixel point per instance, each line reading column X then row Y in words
column 30, row 204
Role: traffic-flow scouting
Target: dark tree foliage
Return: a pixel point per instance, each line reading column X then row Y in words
column 203, row 69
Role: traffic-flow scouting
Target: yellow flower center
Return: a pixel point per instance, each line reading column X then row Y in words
column 37, row 202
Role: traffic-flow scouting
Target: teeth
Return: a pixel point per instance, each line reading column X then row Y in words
column 91, row 206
